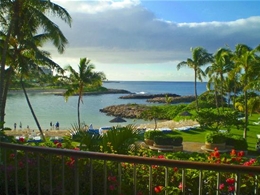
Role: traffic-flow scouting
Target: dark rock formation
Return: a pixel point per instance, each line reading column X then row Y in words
column 109, row 91
column 173, row 100
column 148, row 96
column 124, row 110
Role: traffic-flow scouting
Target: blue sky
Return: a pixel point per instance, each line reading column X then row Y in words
column 145, row 40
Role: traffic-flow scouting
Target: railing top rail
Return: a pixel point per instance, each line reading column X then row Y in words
column 135, row 159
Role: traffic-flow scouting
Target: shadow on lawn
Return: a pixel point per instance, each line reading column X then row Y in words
column 195, row 131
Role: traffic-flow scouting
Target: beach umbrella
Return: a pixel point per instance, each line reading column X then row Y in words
column 185, row 113
column 117, row 120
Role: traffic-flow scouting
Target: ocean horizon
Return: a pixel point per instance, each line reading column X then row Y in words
column 51, row 108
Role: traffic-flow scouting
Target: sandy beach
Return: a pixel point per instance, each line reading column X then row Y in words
column 66, row 132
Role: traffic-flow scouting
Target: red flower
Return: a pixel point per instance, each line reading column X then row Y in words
column 59, row 145
column 20, row 164
column 158, row 189
column 230, row 181
column 21, row 139
column 241, row 153
column 231, row 188
column 175, row 169
column 111, row 178
column 12, row 156
column 161, row 156
column 221, row 186
column 233, row 153
column 55, row 142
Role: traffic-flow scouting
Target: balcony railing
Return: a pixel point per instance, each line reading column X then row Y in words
column 43, row 170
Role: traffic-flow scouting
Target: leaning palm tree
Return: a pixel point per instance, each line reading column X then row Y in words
column 79, row 80
column 21, row 22
column 200, row 57
column 246, row 62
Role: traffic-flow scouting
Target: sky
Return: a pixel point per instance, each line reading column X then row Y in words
column 135, row 40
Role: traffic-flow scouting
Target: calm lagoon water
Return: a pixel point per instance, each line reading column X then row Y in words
column 50, row 108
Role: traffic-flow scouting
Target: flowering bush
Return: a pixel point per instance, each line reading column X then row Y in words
column 121, row 181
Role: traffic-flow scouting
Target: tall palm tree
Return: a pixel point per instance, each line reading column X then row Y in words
column 20, row 22
column 200, row 57
column 220, row 66
column 246, row 59
column 79, row 80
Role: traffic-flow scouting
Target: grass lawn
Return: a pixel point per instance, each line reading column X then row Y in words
column 198, row 135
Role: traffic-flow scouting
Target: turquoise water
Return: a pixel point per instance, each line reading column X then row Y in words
column 50, row 108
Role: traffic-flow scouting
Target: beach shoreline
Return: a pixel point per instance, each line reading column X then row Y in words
column 67, row 132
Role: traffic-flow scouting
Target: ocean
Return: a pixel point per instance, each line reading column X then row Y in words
column 50, row 108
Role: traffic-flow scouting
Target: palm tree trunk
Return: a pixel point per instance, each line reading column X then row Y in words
column 246, row 116
column 8, row 74
column 155, row 123
column 216, row 99
column 30, row 106
column 195, row 91
column 79, row 111
column 2, row 75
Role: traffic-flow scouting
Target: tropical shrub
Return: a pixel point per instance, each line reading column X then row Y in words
column 238, row 142
column 125, row 183
column 215, row 137
column 119, row 139
column 213, row 119
column 152, row 133
column 168, row 140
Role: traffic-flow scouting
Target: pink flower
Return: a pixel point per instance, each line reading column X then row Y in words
column 112, row 187
column 180, row 186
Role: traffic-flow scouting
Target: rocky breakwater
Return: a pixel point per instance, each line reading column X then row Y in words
column 124, row 110
column 148, row 96
column 173, row 100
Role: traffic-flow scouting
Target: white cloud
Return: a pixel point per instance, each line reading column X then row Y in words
column 93, row 7
column 123, row 32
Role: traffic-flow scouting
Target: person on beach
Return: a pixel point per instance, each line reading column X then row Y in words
column 57, row 125
column 51, row 125
column 20, row 125
column 14, row 126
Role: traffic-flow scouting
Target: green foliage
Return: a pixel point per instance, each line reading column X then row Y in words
column 210, row 118
column 119, row 139
column 215, row 137
column 167, row 112
column 237, row 141
column 152, row 133
column 168, row 140
column 206, row 100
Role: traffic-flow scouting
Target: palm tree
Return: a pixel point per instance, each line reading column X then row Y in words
column 85, row 77
column 221, row 65
column 20, row 23
column 200, row 57
column 246, row 59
